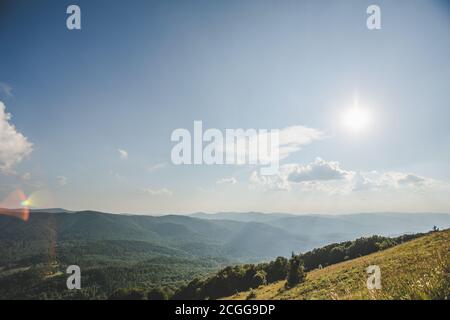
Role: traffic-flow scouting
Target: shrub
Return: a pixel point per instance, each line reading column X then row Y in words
column 296, row 272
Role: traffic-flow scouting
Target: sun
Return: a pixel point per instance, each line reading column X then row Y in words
column 356, row 119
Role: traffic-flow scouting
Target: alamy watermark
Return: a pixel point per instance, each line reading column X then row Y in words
column 74, row 280
column 373, row 22
column 374, row 279
column 73, row 21
column 234, row 147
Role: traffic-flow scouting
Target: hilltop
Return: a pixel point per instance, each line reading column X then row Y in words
column 418, row 269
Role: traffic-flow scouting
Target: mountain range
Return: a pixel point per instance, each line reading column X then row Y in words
column 139, row 251
column 247, row 236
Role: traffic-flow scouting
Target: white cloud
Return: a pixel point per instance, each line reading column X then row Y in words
column 276, row 182
column 123, row 154
column 158, row 192
column 378, row 181
column 26, row 176
column 401, row 180
column 62, row 180
column 156, row 167
column 117, row 176
column 14, row 146
column 318, row 170
column 230, row 180
column 329, row 177
column 291, row 139
column 411, row 179
column 6, row 89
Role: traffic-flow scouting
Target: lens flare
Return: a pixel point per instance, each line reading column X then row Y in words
column 13, row 205
column 40, row 199
column 16, row 204
column 26, row 203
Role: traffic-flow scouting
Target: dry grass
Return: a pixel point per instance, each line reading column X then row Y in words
column 419, row 269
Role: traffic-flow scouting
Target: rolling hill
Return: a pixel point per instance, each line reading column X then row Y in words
column 418, row 269
column 241, row 237
column 123, row 251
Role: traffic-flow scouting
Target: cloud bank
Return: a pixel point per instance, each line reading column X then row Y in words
column 331, row 178
column 14, row 146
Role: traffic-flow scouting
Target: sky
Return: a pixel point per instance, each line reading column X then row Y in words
column 86, row 116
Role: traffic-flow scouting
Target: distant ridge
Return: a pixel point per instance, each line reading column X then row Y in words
column 49, row 210
column 248, row 236
column 52, row 210
column 242, row 216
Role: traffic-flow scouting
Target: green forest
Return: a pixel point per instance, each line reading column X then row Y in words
column 175, row 257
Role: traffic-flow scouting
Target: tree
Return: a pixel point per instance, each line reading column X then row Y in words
column 277, row 270
column 259, row 279
column 296, row 272
column 128, row 294
column 157, row 294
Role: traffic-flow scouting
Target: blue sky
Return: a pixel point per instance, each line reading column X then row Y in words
column 140, row 69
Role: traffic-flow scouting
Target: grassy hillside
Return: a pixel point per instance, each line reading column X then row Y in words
column 419, row 269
